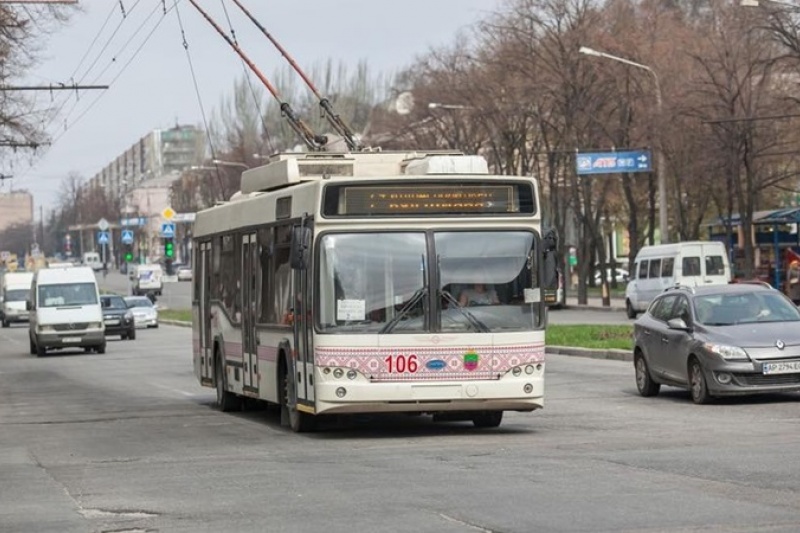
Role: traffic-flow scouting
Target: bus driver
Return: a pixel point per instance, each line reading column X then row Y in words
column 478, row 295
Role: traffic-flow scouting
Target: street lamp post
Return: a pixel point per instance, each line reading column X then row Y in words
column 755, row 3
column 660, row 166
column 230, row 164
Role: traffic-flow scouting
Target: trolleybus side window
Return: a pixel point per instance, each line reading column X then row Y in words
column 282, row 275
column 229, row 283
column 266, row 251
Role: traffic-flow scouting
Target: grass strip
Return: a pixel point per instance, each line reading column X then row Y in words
column 184, row 315
column 595, row 336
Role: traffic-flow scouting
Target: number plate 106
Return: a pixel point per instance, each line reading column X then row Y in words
column 402, row 364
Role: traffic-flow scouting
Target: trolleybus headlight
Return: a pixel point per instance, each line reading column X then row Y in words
column 341, row 392
column 326, row 370
column 529, row 369
column 338, row 373
column 351, row 374
column 516, row 371
column 528, row 388
column 539, row 366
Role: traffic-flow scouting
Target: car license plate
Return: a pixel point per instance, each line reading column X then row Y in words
column 113, row 322
column 71, row 339
column 789, row 367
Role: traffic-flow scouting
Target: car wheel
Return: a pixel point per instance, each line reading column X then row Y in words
column 33, row 346
column 101, row 348
column 226, row 401
column 644, row 381
column 487, row 419
column 629, row 310
column 132, row 335
column 41, row 351
column 5, row 323
column 697, row 382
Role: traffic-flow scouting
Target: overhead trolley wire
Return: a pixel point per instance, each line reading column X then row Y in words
column 249, row 81
column 197, row 93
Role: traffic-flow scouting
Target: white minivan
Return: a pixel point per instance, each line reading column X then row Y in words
column 659, row 267
column 65, row 311
column 92, row 260
column 15, row 290
column 148, row 280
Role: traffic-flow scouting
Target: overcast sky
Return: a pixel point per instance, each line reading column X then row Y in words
column 156, row 91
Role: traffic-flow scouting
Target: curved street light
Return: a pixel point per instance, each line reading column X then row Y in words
column 660, row 170
column 238, row 164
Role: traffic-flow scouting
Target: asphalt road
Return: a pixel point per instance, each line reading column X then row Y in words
column 128, row 442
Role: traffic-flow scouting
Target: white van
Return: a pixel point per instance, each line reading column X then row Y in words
column 92, row 260
column 15, row 291
column 147, row 280
column 659, row 267
column 65, row 311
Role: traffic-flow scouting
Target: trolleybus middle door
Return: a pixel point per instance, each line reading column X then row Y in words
column 249, row 307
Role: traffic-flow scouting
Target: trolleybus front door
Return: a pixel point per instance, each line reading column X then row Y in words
column 204, row 304
column 302, row 335
column 249, row 307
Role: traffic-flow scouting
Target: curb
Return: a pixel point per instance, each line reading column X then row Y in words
column 170, row 322
column 615, row 355
column 579, row 307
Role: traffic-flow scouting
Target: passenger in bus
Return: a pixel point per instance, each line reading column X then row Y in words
column 478, row 294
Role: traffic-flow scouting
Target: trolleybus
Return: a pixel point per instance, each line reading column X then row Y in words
column 374, row 282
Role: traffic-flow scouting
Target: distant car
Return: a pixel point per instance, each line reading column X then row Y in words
column 622, row 276
column 718, row 340
column 145, row 314
column 117, row 318
column 184, row 273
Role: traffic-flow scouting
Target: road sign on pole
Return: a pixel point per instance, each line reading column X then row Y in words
column 103, row 224
column 102, row 237
column 613, row 162
column 168, row 230
column 168, row 213
column 127, row 236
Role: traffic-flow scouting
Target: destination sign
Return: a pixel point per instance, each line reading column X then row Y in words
column 428, row 199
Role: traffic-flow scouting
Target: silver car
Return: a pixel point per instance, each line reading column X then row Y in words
column 718, row 340
column 145, row 313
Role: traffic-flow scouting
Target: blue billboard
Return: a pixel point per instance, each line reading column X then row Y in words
column 613, row 162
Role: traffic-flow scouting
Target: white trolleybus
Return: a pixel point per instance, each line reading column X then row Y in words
column 374, row 283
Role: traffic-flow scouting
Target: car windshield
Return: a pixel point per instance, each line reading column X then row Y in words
column 377, row 283
column 114, row 302
column 67, row 294
column 138, row 302
column 17, row 295
column 745, row 307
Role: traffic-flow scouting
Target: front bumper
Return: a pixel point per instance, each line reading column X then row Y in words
column 15, row 316
column 69, row 339
column 746, row 377
column 118, row 326
column 145, row 321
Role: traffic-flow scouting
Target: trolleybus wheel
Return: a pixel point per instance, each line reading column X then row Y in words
column 299, row 421
column 487, row 419
column 226, row 400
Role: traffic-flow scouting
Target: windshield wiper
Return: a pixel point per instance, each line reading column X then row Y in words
column 415, row 298
column 473, row 320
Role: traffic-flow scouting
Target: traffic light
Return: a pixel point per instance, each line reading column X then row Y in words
column 169, row 248
column 128, row 253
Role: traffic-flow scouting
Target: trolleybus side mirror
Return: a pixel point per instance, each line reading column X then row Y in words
column 301, row 247
column 550, row 275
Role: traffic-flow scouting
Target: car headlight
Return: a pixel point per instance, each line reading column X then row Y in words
column 128, row 315
column 729, row 353
column 95, row 325
column 46, row 329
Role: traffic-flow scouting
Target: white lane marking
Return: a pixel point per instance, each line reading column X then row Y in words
column 172, row 389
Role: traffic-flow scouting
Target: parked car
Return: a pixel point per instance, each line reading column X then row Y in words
column 718, row 340
column 145, row 313
column 184, row 273
column 118, row 319
column 622, row 276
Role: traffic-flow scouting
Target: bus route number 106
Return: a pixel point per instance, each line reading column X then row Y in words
column 402, row 364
